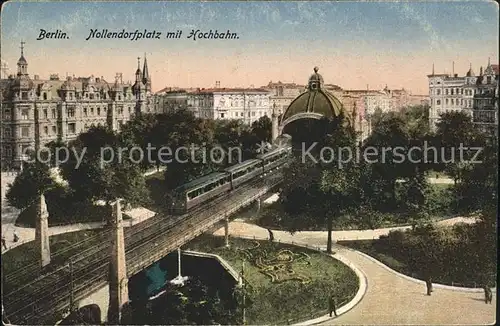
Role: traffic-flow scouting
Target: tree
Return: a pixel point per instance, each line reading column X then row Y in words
column 262, row 129
column 229, row 135
column 389, row 133
column 456, row 130
column 102, row 168
column 191, row 141
column 323, row 189
column 140, row 132
column 33, row 181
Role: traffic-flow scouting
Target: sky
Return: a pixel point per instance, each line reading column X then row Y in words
column 355, row 44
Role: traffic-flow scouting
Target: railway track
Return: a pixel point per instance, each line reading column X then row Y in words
column 41, row 300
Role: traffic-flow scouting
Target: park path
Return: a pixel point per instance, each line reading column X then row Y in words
column 389, row 298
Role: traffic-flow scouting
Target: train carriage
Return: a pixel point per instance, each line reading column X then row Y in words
column 198, row 191
column 275, row 158
column 244, row 171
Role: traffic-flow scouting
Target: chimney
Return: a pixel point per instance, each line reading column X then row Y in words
column 217, row 84
column 36, row 77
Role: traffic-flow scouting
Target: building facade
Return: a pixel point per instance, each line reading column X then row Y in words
column 244, row 104
column 474, row 95
column 37, row 111
column 282, row 94
column 485, row 101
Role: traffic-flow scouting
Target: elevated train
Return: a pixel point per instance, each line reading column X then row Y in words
column 212, row 185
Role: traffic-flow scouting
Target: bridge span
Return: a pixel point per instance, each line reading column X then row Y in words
column 46, row 295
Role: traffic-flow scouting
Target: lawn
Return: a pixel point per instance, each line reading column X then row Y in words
column 285, row 283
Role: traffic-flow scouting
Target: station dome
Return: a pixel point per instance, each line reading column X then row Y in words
column 315, row 99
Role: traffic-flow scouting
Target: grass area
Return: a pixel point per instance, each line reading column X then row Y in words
column 26, row 257
column 369, row 247
column 297, row 280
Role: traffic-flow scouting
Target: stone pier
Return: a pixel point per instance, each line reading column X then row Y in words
column 226, row 232
column 118, row 281
column 42, row 231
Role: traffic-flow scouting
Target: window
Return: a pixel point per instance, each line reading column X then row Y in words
column 241, row 114
column 44, row 95
column 249, row 114
column 222, row 115
column 452, row 102
column 24, row 95
column 45, row 113
column 98, row 111
column 91, row 111
column 452, row 91
column 8, row 151
column 461, row 91
column 25, row 131
column 24, row 114
column 446, row 101
column 253, row 114
column 438, row 91
column 45, row 130
column 488, row 79
column 85, row 111
column 54, row 130
column 71, row 113
column 7, row 132
column 71, row 128
column 6, row 114
column 446, row 91
column 54, row 113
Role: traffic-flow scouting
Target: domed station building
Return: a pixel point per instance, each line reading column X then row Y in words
column 315, row 103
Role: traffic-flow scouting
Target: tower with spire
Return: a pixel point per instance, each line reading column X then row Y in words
column 146, row 78
column 139, row 89
column 22, row 64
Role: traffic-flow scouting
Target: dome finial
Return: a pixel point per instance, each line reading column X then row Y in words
column 316, row 69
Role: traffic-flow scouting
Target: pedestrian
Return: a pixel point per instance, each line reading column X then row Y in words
column 16, row 237
column 488, row 295
column 271, row 235
column 4, row 242
column 428, row 283
column 331, row 306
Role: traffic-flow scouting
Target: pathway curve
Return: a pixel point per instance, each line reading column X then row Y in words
column 390, row 298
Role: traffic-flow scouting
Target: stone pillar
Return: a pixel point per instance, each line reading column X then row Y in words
column 42, row 231
column 226, row 232
column 118, row 281
column 275, row 131
column 258, row 204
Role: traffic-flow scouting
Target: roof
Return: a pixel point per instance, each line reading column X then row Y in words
column 272, row 152
column 200, row 181
column 320, row 101
column 230, row 90
column 241, row 165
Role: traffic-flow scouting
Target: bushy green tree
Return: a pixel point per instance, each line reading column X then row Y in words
column 33, row 181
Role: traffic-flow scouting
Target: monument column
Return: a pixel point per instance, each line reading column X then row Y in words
column 42, row 231
column 118, row 281
column 274, row 132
